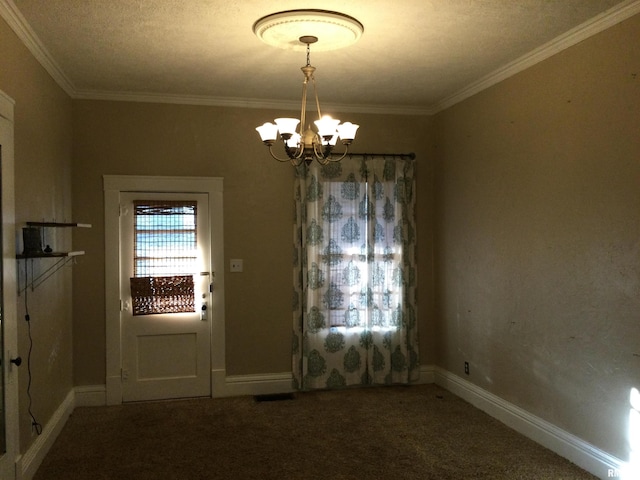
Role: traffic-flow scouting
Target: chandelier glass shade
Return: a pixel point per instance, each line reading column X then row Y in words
column 302, row 143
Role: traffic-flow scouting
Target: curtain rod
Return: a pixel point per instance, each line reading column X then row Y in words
column 411, row 155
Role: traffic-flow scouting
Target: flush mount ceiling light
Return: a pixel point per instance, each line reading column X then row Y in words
column 298, row 30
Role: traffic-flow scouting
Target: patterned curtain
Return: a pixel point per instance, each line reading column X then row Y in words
column 354, row 305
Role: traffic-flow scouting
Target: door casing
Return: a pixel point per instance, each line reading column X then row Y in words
column 8, row 291
column 113, row 186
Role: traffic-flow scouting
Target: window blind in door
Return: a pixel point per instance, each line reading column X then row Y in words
column 165, row 256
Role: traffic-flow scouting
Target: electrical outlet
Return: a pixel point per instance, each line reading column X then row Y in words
column 235, row 265
column 466, row 368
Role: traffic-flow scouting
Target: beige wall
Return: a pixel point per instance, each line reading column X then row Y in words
column 43, row 148
column 163, row 139
column 538, row 237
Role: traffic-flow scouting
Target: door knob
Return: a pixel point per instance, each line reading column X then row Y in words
column 16, row 361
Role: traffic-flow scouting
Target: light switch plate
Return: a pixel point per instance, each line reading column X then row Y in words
column 235, row 265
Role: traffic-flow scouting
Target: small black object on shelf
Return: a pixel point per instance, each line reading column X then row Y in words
column 32, row 239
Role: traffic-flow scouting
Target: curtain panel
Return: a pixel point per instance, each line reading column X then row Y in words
column 354, row 301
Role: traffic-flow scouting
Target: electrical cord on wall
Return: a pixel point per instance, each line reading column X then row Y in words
column 34, row 423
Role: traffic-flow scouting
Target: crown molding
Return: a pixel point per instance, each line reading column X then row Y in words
column 25, row 33
column 588, row 29
column 246, row 102
column 149, row 97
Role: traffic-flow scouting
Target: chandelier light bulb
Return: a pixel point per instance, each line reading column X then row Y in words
column 287, row 126
column 268, row 132
column 294, row 141
column 347, row 131
column 333, row 140
column 327, row 126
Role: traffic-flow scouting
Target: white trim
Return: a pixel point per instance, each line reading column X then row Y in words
column 576, row 450
column 27, row 464
column 268, row 383
column 588, row 29
column 232, row 386
column 90, row 396
column 113, row 185
column 151, row 183
column 112, row 297
column 25, row 33
column 254, row 103
column 9, row 380
column 259, row 384
column 219, row 383
column 427, row 374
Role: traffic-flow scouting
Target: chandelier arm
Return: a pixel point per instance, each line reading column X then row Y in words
column 320, row 154
column 321, row 157
column 276, row 157
column 346, row 151
column 297, row 161
column 297, row 153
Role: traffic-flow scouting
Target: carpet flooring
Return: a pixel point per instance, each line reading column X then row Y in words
column 415, row 432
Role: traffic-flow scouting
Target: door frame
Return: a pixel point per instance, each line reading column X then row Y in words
column 9, row 289
column 113, row 185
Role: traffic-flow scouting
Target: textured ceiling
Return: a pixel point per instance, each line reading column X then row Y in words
column 413, row 55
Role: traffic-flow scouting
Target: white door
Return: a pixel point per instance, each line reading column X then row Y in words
column 8, row 319
column 165, row 355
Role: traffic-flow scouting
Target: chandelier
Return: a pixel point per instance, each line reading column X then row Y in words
column 300, row 142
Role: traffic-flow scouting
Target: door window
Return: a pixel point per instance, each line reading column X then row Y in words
column 165, row 256
column 165, row 241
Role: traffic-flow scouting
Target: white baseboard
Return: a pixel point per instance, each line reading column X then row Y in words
column 427, row 374
column 260, row 384
column 224, row 386
column 583, row 454
column 27, row 464
column 91, row 396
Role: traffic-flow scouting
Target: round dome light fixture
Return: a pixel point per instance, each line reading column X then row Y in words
column 333, row 30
